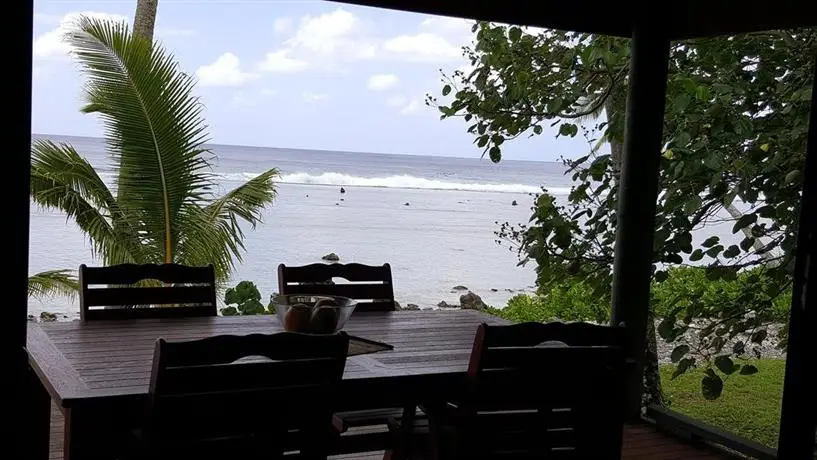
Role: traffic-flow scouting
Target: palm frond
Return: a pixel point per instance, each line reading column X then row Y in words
column 213, row 234
column 61, row 179
column 246, row 201
column 153, row 125
column 52, row 283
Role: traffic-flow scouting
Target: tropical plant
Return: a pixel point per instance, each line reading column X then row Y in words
column 166, row 209
column 244, row 299
column 52, row 283
column 735, row 130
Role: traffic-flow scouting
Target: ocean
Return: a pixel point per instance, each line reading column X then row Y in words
column 432, row 218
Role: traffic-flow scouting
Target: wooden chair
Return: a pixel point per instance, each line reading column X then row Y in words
column 527, row 397
column 364, row 430
column 139, row 291
column 208, row 401
column 370, row 285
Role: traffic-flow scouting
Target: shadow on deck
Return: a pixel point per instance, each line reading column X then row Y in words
column 640, row 442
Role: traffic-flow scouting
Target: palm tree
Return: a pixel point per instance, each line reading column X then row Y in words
column 165, row 209
column 52, row 282
column 145, row 18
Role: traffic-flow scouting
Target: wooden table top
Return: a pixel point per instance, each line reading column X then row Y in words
column 104, row 359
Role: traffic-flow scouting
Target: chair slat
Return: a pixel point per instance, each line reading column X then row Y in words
column 370, row 284
column 321, row 272
column 524, row 400
column 188, row 291
column 133, row 273
column 205, row 398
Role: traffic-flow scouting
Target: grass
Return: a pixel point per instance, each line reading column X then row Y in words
column 749, row 406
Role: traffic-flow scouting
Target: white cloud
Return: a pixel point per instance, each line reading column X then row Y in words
column 412, row 107
column 396, row 101
column 423, row 47
column 451, row 27
column 313, row 97
column 225, row 71
column 282, row 25
column 268, row 92
column 52, row 43
column 382, row 82
column 281, row 62
column 322, row 42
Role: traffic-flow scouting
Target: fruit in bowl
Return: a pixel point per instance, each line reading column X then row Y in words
column 313, row 314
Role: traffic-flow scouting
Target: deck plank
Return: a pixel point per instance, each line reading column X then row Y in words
column 639, row 442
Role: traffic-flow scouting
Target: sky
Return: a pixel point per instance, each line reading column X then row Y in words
column 294, row 74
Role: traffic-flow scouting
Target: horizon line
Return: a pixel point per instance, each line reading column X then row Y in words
column 321, row 150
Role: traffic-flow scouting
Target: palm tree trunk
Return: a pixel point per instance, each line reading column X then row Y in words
column 145, row 18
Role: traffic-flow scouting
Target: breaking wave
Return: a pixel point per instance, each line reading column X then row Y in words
column 395, row 181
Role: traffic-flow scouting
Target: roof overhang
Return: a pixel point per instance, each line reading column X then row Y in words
column 681, row 19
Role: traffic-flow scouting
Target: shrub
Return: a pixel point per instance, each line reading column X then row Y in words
column 683, row 284
column 243, row 299
column 565, row 302
column 573, row 302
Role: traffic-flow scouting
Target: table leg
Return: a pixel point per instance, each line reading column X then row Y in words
column 87, row 434
column 37, row 420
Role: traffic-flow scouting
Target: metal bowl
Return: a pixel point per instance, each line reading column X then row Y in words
column 313, row 313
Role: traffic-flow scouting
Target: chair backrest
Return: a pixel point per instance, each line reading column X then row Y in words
column 528, row 399
column 131, row 291
column 370, row 285
column 247, row 397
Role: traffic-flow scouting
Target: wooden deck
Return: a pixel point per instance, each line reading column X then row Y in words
column 640, row 442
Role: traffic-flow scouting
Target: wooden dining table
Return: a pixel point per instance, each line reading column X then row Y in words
column 97, row 373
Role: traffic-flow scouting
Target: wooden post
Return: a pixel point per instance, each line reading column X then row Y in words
column 17, row 165
column 637, row 196
column 797, row 419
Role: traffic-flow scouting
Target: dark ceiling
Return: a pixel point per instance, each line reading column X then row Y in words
column 680, row 19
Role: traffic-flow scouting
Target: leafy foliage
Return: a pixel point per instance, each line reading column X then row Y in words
column 243, row 299
column 735, row 131
column 165, row 209
column 52, row 283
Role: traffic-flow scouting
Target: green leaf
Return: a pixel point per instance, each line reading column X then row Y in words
column 568, row 129
column 711, row 387
column 696, row 255
column 683, row 365
column 446, row 90
column 682, row 139
column 679, row 352
column 747, row 243
column 495, row 154
column 680, row 102
column 666, row 328
column 537, row 129
column 744, row 221
column 739, row 348
column 711, row 241
column 731, row 251
column 229, row 311
column 791, row 177
column 768, row 211
column 692, row 204
column 725, row 364
column 748, row 369
column 514, row 33
column 759, row 336
column 661, row 275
